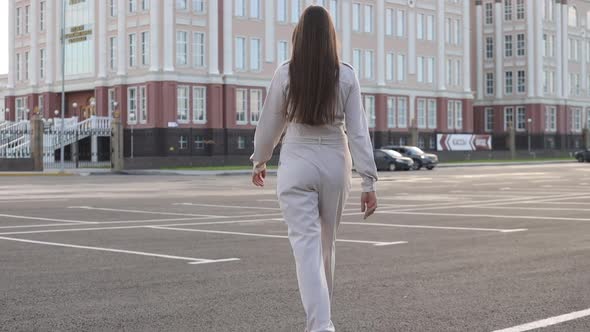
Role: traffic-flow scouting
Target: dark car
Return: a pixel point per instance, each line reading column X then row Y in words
column 583, row 156
column 421, row 159
column 390, row 160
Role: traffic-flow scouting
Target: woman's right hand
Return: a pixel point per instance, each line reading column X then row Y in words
column 368, row 203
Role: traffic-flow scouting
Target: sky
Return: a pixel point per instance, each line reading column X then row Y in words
column 3, row 37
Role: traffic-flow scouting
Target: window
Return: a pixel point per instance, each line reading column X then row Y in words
column 255, row 9
column 489, row 84
column 18, row 67
column 42, row 63
column 181, row 48
column 145, row 48
column 507, row 10
column 401, row 67
column 132, row 105
column 143, row 112
column 451, row 114
column 40, row 104
column 449, row 72
column 283, row 51
column 26, row 66
column 457, row 80
column 574, row 84
column 113, row 53
column 391, row 117
column 572, row 16
column 420, row 69
column 282, row 10
column 112, row 101
column 182, row 104
column 27, row 18
column 457, row 34
column 389, row 22
column 489, row 48
column 421, row 113
column 430, row 27
column 356, row 17
column 21, row 109
column 199, row 105
column 199, row 49
column 199, row 143
column 401, row 23
column 508, row 82
column 458, row 115
column 588, row 118
column 113, row 7
column 255, row 105
column 521, row 81
column 295, row 10
column 42, row 16
column 420, row 26
column 520, row 44
column 508, row 118
column 356, row 61
column 369, row 65
column 520, row 118
column 548, row 10
column 240, row 53
column 489, row 119
column 133, row 5
column 431, row 113
column 448, row 30
column 370, row 109
column 241, row 143
column 240, row 8
column 577, row 120
column 18, row 22
column 545, row 45
column 508, row 46
column 241, row 106
column 550, row 118
column 430, row 70
column 368, row 18
column 389, row 73
column 145, row 5
column 547, row 81
column 132, row 49
column 421, row 142
column 255, row 54
column 334, row 11
column 489, row 14
column 182, row 142
column 402, row 113
column 520, row 9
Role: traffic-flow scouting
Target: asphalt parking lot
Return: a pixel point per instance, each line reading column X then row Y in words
column 458, row 249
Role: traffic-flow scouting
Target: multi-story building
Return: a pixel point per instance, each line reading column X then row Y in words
column 185, row 73
column 532, row 70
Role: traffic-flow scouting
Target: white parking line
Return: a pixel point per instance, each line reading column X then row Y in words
column 514, row 230
column 229, row 206
column 142, row 211
column 547, row 322
column 482, row 215
column 375, row 243
column 141, row 253
column 47, row 219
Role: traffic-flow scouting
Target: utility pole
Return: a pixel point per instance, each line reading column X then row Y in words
column 63, row 83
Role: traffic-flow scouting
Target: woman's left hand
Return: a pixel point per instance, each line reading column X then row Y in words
column 258, row 177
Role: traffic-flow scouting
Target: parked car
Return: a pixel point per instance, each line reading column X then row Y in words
column 390, row 160
column 421, row 159
column 583, row 156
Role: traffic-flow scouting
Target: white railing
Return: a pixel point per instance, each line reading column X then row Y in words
column 19, row 145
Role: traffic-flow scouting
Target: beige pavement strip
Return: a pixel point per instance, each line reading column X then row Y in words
column 548, row 322
column 439, row 227
column 140, row 253
column 375, row 243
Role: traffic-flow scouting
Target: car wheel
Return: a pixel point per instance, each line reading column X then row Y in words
column 417, row 166
column 392, row 167
column 430, row 168
column 581, row 159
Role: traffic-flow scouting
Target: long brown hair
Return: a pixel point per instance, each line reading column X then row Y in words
column 314, row 69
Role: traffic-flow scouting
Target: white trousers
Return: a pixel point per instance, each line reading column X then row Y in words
column 313, row 184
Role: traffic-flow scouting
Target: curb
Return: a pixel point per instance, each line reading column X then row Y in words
column 508, row 163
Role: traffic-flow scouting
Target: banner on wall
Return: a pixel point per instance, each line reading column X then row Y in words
column 463, row 142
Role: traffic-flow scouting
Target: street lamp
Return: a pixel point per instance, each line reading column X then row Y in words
column 75, row 106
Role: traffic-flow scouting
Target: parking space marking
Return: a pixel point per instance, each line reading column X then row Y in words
column 142, row 211
column 547, row 322
column 229, row 206
column 134, row 226
column 375, row 243
column 140, row 253
column 494, row 216
column 6, row 200
column 439, row 227
column 47, row 219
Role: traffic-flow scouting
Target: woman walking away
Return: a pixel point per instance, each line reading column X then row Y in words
column 318, row 101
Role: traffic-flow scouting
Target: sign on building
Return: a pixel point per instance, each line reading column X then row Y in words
column 463, row 142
